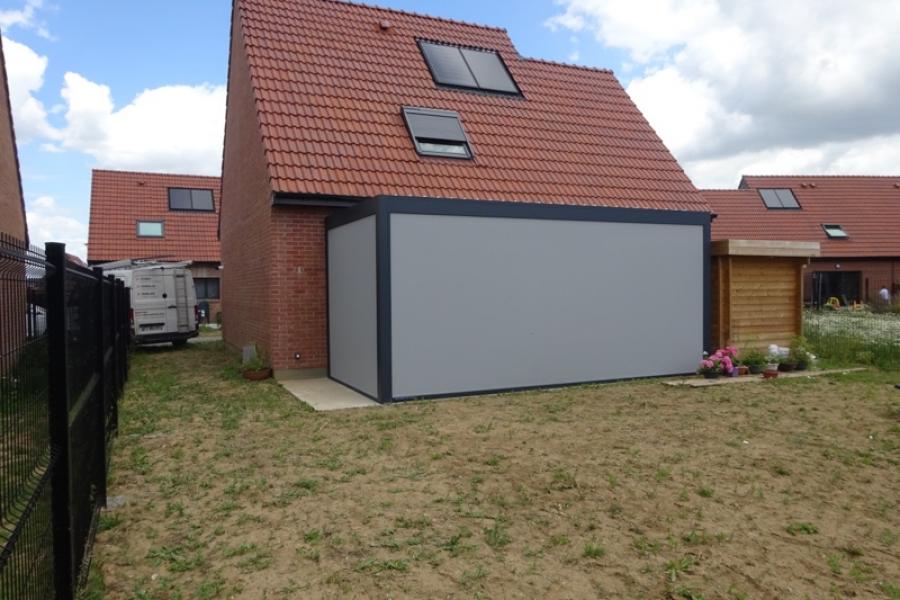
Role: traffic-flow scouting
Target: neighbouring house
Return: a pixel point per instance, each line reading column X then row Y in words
column 855, row 219
column 12, row 205
column 414, row 207
column 14, row 275
column 159, row 216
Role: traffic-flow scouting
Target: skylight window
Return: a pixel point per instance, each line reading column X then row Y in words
column 835, row 232
column 779, row 198
column 190, row 199
column 150, row 228
column 468, row 68
column 437, row 132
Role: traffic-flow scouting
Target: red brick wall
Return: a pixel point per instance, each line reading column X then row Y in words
column 245, row 226
column 877, row 271
column 298, row 282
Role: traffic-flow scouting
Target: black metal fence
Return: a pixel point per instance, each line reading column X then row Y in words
column 846, row 336
column 64, row 337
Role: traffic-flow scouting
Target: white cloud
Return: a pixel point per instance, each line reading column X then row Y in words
column 47, row 222
column 807, row 84
column 874, row 156
column 25, row 70
column 647, row 28
column 25, row 17
column 574, row 55
column 175, row 128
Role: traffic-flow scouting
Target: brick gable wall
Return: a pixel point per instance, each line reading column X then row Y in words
column 245, row 226
column 12, row 216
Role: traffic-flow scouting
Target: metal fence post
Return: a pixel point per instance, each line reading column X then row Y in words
column 103, row 382
column 64, row 573
column 125, row 313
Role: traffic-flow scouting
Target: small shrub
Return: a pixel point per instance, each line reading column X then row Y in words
column 804, row 528
column 496, row 537
column 592, row 550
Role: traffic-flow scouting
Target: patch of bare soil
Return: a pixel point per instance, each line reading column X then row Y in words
column 637, row 490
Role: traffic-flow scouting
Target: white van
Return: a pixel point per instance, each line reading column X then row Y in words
column 163, row 300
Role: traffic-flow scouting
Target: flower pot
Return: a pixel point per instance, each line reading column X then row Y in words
column 711, row 375
column 787, row 367
column 735, row 372
column 770, row 374
column 257, row 374
column 771, row 367
column 802, row 366
column 743, row 370
column 755, row 369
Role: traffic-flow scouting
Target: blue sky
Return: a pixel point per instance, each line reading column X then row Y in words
column 730, row 89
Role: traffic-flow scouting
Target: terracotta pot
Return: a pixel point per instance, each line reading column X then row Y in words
column 767, row 374
column 257, row 374
column 743, row 370
column 787, row 367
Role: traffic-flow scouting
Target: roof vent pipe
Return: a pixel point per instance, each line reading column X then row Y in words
column 385, row 25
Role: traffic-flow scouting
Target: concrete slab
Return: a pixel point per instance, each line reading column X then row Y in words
column 697, row 382
column 205, row 339
column 323, row 394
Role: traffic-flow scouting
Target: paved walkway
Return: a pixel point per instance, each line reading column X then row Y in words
column 203, row 339
column 326, row 394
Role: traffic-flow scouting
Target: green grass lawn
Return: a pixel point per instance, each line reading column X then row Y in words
column 234, row 489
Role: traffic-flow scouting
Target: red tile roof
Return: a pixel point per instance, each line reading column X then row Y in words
column 329, row 84
column 867, row 208
column 119, row 199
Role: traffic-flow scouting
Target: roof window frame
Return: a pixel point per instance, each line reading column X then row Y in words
column 420, row 42
column 829, row 228
column 418, row 140
column 160, row 222
column 212, row 195
column 777, row 192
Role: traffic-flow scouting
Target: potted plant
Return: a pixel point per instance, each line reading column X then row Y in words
column 721, row 362
column 255, row 368
column 786, row 364
column 754, row 360
column 772, row 364
column 800, row 352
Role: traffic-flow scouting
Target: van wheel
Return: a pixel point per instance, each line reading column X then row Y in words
column 179, row 343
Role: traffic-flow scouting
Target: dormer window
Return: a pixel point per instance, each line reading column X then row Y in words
column 835, row 232
column 779, row 198
column 437, row 132
column 468, row 68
